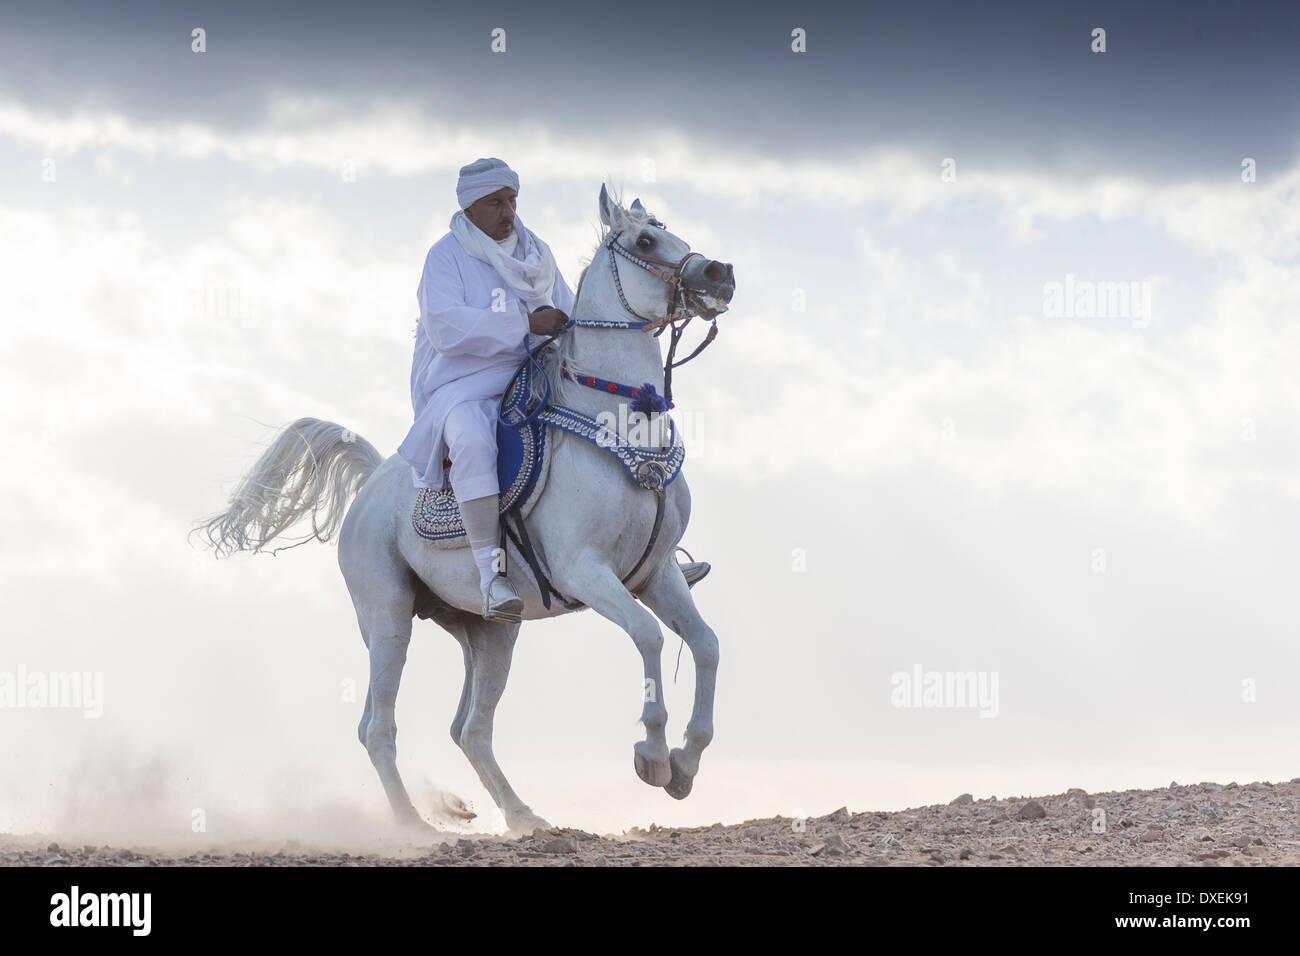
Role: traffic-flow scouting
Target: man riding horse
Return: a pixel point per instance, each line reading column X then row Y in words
column 489, row 286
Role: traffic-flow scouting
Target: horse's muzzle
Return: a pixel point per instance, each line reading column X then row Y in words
column 709, row 285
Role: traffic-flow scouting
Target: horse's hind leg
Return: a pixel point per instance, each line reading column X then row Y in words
column 461, row 632
column 490, row 646
column 670, row 598
column 384, row 612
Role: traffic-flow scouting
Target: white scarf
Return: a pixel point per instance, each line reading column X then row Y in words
column 532, row 278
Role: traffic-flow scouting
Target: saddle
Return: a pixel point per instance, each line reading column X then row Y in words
column 522, row 466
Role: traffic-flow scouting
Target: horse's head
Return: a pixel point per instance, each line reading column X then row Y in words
column 654, row 273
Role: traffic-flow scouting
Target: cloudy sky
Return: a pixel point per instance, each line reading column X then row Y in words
column 913, row 445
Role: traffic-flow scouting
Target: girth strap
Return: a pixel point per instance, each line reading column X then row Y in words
column 525, row 546
column 660, row 494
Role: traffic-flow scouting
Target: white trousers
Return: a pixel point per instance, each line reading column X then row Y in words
column 471, row 436
column 470, row 433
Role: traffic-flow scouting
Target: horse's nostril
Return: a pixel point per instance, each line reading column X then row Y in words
column 715, row 272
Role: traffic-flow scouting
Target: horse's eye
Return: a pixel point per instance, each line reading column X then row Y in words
column 644, row 242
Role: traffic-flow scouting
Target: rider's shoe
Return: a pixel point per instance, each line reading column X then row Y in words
column 694, row 571
column 501, row 603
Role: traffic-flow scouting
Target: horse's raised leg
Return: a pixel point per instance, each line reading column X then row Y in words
column 489, row 647
column 668, row 595
column 600, row 589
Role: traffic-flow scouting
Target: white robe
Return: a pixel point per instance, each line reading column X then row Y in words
column 464, row 351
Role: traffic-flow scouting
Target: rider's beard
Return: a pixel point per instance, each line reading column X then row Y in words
column 509, row 242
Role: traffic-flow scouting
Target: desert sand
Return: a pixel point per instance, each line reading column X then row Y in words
column 1205, row 824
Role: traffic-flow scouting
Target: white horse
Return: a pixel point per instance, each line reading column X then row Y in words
column 590, row 525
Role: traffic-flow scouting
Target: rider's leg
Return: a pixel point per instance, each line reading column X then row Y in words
column 480, row 517
column 471, row 437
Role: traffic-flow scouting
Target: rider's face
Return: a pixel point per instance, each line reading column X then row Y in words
column 494, row 214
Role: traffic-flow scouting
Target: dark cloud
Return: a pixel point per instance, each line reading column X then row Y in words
column 1186, row 87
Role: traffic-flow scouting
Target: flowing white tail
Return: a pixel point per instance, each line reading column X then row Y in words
column 313, row 467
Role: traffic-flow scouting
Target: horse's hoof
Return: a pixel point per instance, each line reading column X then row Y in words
column 679, row 787
column 651, row 767
column 524, row 824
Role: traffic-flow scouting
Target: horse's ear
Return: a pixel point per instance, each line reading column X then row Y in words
column 611, row 214
column 636, row 205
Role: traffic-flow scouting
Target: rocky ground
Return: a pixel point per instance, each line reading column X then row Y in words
column 1204, row 824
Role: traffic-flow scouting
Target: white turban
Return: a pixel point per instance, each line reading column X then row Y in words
column 482, row 178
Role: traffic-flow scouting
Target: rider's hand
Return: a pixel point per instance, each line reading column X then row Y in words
column 546, row 321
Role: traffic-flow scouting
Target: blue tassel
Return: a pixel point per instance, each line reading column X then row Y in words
column 648, row 401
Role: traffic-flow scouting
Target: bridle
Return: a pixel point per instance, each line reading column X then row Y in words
column 676, row 307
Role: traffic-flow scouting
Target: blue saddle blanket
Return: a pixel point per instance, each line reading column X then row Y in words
column 520, row 463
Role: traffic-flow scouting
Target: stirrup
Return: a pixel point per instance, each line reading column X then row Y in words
column 501, row 603
column 693, row 571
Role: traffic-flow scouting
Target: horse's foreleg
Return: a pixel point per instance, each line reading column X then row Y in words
column 668, row 595
column 600, row 589
column 490, row 646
